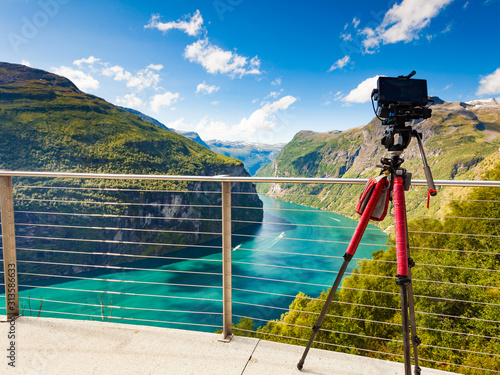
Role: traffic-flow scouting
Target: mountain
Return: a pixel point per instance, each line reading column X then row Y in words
column 253, row 155
column 191, row 135
column 457, row 138
column 48, row 124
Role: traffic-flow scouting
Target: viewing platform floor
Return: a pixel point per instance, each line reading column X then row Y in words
column 48, row 346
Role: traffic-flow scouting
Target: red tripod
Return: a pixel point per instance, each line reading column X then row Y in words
column 373, row 205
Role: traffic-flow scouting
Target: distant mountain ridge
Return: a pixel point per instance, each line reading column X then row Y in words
column 253, row 155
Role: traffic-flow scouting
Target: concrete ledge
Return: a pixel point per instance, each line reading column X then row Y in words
column 48, row 346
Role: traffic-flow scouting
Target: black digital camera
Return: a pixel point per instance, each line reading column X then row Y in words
column 401, row 99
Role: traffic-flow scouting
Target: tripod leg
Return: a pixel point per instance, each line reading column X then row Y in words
column 402, row 263
column 406, row 333
column 329, row 299
column 351, row 250
column 415, row 340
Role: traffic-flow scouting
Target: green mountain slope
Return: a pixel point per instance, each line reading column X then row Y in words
column 456, row 139
column 47, row 123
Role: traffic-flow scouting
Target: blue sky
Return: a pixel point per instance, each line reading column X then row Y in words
column 256, row 70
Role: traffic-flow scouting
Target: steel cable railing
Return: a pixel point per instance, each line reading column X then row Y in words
column 154, row 256
column 364, row 319
column 492, row 333
column 48, row 234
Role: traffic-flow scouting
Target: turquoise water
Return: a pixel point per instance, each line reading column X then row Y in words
column 269, row 269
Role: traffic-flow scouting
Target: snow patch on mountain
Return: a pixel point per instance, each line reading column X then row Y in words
column 477, row 103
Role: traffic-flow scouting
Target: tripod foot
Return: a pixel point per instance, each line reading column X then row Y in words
column 300, row 365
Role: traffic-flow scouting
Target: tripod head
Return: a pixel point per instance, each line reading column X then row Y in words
column 400, row 100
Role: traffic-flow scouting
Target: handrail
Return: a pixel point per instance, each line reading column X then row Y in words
column 226, row 178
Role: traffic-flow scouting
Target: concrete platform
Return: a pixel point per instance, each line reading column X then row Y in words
column 46, row 346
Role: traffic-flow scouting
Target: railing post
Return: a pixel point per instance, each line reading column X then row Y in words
column 9, row 247
column 227, row 310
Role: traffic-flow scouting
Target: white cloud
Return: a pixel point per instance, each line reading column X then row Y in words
column 262, row 120
column 163, row 100
column 206, row 128
column 117, row 72
column 156, row 67
column 89, row 60
column 82, row 80
column 276, row 82
column 143, row 79
column 213, row 58
column 346, row 37
column 129, row 101
column 210, row 129
column 206, row 89
column 340, row 63
column 180, row 124
column 215, row 102
column 191, row 25
column 402, row 22
column 447, row 29
column 328, row 98
column 355, row 22
column 362, row 93
column 216, row 60
column 338, row 95
column 274, row 94
column 490, row 85
column 25, row 62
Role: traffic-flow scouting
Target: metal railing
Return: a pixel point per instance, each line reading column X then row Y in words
column 199, row 256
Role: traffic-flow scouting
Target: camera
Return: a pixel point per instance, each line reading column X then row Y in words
column 401, row 99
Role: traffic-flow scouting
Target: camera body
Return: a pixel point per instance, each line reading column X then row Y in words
column 401, row 99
